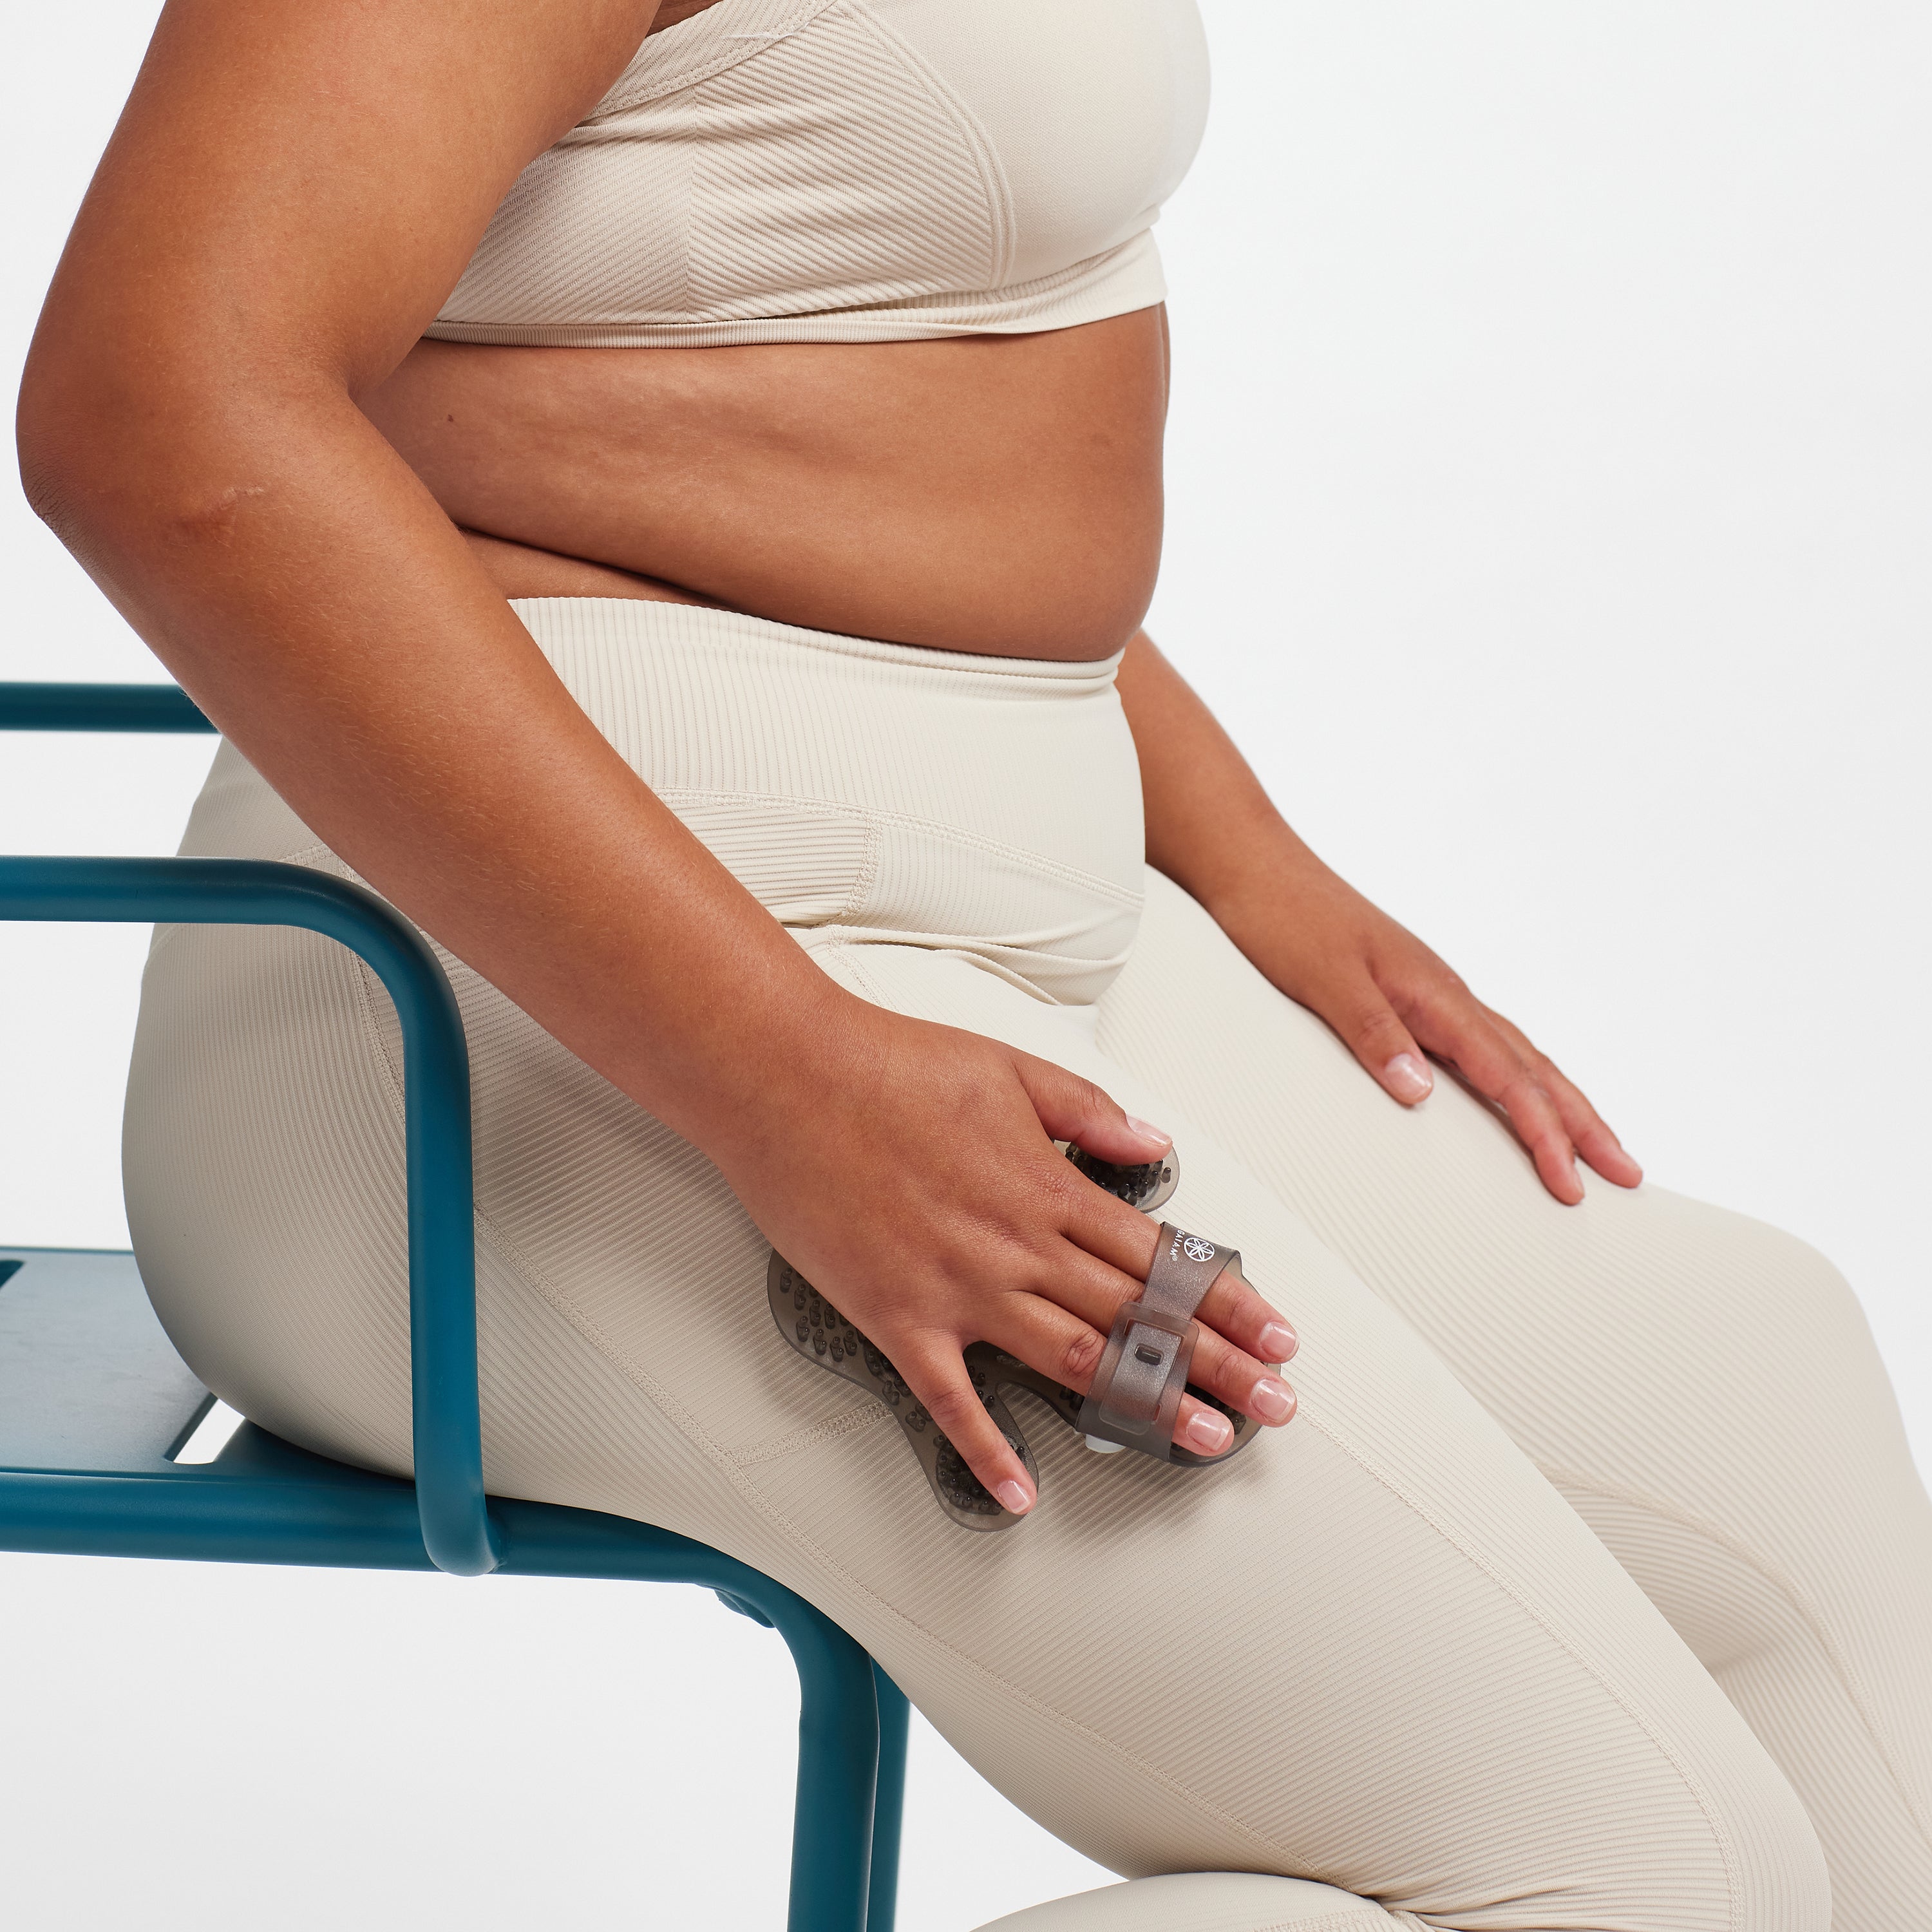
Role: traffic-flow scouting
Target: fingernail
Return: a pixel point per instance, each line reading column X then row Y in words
column 1277, row 1341
column 1408, row 1077
column 1272, row 1401
column 1012, row 1496
column 1209, row 1433
column 1147, row 1131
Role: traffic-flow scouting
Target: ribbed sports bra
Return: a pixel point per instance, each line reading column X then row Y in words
column 853, row 171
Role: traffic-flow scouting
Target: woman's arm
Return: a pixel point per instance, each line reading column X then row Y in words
column 290, row 194
column 1211, row 828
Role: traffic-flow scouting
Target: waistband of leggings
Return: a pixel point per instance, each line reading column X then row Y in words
column 649, row 618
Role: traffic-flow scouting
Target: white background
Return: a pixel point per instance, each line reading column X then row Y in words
column 1550, row 513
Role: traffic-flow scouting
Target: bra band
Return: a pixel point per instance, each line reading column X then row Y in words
column 1136, row 1390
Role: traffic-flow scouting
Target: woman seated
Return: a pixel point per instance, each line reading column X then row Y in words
column 666, row 494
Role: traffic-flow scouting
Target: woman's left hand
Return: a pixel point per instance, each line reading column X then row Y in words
column 1213, row 830
column 1391, row 1000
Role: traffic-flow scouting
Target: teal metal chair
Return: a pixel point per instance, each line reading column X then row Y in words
column 95, row 1405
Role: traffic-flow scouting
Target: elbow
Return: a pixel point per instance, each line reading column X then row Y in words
column 45, row 444
column 76, row 438
column 129, row 463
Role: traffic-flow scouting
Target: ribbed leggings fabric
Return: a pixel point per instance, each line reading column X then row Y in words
column 1589, row 1591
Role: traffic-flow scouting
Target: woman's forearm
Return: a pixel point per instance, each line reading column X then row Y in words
column 1210, row 827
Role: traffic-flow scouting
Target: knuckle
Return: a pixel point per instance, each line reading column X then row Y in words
column 1439, row 989
column 1380, row 1024
column 1079, row 1357
column 1096, row 1104
column 1214, row 1358
column 1520, row 1089
column 1061, row 1185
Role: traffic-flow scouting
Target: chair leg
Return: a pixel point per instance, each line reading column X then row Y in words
column 832, row 1844
column 889, row 1812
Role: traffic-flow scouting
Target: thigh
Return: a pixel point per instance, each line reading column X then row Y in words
column 1702, row 1388
column 1377, row 1650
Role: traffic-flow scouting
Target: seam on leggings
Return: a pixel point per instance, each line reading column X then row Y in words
column 869, row 1415
column 1129, row 897
column 1720, row 1836
column 1793, row 1593
column 847, row 943
column 848, row 957
column 868, row 870
column 736, row 1477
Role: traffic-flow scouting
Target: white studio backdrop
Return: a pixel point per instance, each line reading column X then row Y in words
column 1550, row 493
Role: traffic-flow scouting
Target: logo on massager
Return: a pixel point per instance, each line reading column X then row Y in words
column 1196, row 1249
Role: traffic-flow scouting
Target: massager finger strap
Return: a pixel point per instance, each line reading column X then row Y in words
column 1136, row 1393
column 1009, row 1371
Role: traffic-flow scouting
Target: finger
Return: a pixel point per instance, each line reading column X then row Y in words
column 1073, row 1109
column 1062, row 1330
column 1233, row 1308
column 1492, row 1065
column 1368, row 1025
column 936, row 1375
column 1125, row 1244
column 1056, row 1342
column 1607, row 1154
column 1586, row 1127
column 1239, row 1381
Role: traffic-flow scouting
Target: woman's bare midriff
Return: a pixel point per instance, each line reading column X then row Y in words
column 990, row 493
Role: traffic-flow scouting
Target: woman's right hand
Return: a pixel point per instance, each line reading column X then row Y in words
column 916, row 1185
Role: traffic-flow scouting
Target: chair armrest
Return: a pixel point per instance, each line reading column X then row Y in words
column 453, row 1511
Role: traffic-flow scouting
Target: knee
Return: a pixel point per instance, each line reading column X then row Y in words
column 1202, row 1902
column 1757, row 1302
column 1796, row 1292
column 1787, row 1888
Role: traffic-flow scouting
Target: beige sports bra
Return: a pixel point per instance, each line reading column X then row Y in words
column 853, row 171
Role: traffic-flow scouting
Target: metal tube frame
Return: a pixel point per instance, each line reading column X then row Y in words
column 457, row 1531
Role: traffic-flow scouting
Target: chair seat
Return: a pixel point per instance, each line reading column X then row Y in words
column 94, row 1402
column 89, row 1378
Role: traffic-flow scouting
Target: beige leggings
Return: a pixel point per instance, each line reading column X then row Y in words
column 1590, row 1589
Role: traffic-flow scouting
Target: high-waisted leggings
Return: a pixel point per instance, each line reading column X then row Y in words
column 1590, row 1591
